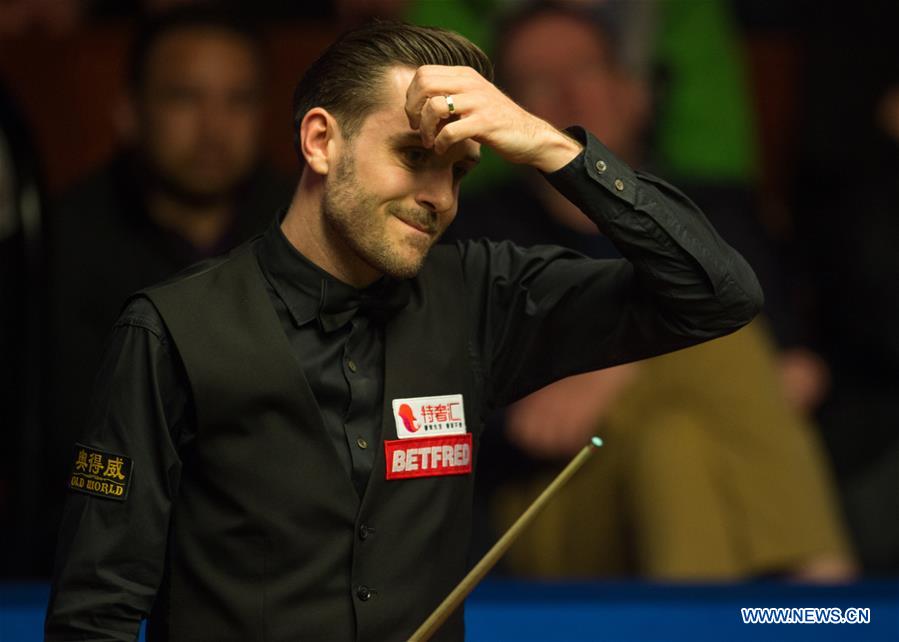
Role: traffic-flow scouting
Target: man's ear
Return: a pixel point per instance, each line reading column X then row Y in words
column 319, row 140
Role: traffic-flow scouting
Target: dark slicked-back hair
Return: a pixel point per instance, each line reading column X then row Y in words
column 347, row 80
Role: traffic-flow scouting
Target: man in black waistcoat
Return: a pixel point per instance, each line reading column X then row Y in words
column 283, row 440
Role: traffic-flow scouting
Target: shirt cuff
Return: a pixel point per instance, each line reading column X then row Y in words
column 600, row 165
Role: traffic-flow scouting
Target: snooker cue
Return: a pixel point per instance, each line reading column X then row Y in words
column 476, row 574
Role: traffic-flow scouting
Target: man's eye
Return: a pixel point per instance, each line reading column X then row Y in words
column 460, row 172
column 415, row 155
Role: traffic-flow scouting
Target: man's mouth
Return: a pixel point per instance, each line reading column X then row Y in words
column 418, row 228
column 428, row 228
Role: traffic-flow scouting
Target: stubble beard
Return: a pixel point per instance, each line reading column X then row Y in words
column 352, row 213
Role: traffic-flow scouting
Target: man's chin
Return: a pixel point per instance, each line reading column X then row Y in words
column 404, row 266
column 404, row 270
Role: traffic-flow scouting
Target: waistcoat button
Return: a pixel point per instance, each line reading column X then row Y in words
column 363, row 593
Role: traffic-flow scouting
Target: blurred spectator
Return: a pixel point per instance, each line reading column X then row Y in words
column 21, row 210
column 710, row 463
column 706, row 475
column 187, row 184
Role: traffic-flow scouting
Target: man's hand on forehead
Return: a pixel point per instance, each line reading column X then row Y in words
column 449, row 104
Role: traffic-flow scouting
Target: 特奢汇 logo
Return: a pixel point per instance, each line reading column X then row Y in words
column 429, row 416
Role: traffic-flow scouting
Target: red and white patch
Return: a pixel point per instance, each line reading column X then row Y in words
column 429, row 416
column 428, row 457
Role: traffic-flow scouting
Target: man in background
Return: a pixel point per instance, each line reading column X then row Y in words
column 710, row 474
column 186, row 184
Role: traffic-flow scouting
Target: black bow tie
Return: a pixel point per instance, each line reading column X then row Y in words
column 377, row 302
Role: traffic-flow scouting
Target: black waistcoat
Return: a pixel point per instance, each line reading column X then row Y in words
column 269, row 539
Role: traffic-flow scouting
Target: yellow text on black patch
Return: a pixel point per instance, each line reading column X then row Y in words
column 100, row 473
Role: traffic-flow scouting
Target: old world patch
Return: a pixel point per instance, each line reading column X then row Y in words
column 100, row 473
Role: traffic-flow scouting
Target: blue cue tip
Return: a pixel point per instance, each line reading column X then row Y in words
column 596, row 441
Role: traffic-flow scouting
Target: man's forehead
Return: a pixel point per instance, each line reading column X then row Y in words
column 390, row 91
column 208, row 40
column 399, row 77
column 208, row 52
column 390, row 118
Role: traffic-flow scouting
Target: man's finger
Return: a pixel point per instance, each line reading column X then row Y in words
column 456, row 131
column 428, row 85
column 435, row 109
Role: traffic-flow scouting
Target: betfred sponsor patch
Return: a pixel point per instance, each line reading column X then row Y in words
column 428, row 457
column 429, row 416
column 100, row 473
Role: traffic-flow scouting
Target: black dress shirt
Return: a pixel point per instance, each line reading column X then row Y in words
column 337, row 336
column 680, row 285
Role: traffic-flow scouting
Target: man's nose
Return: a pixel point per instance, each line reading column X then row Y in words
column 437, row 192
